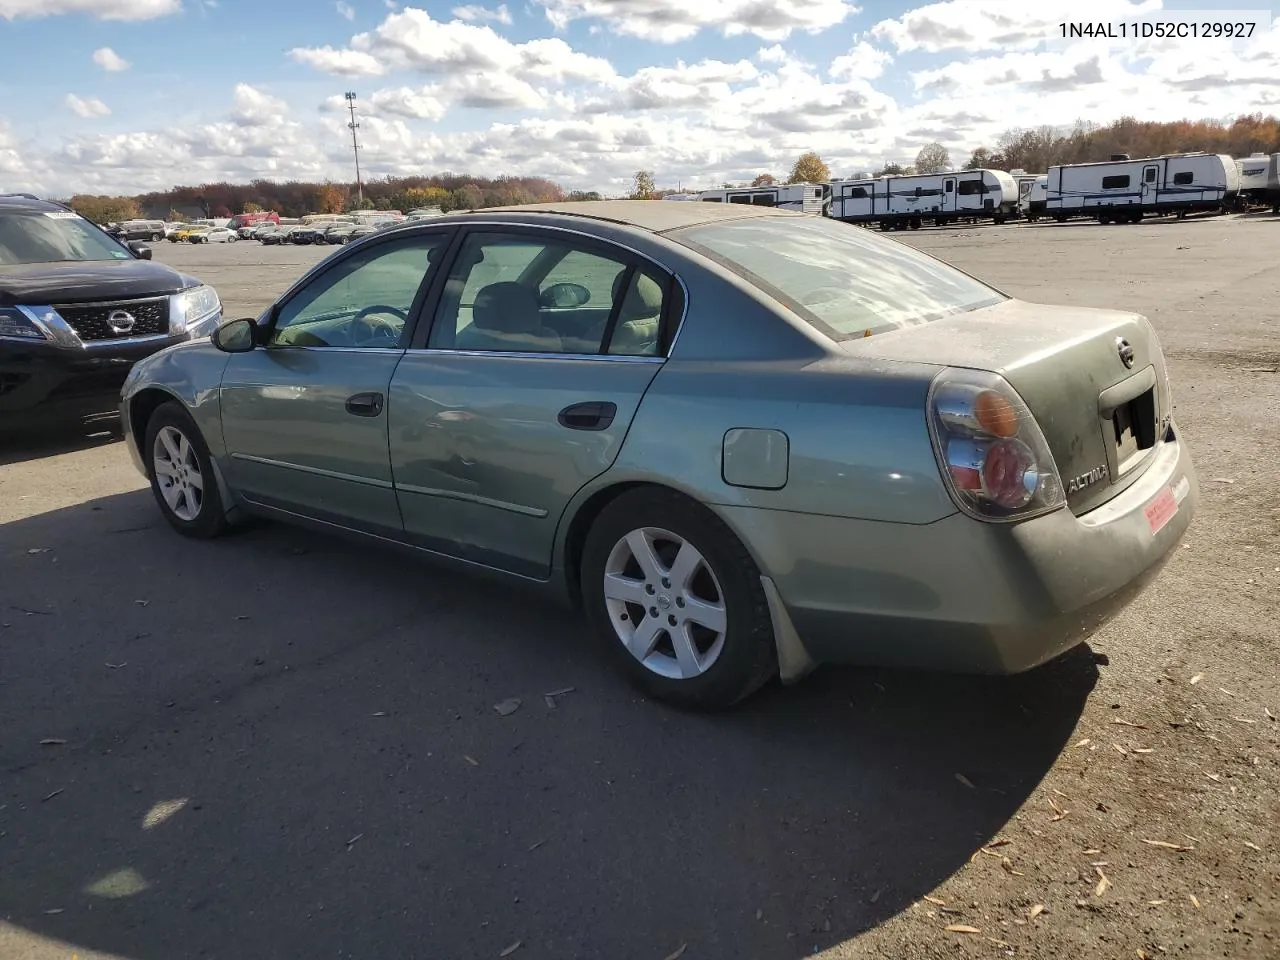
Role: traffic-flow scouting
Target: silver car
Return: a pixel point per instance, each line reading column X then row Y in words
column 744, row 441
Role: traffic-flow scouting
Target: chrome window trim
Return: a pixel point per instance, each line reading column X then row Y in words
column 365, row 351
column 528, row 355
column 315, row 471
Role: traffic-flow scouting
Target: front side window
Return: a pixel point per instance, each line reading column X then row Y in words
column 1182, row 179
column 740, row 198
column 844, row 282
column 969, row 188
column 363, row 301
column 54, row 236
column 514, row 294
column 764, row 200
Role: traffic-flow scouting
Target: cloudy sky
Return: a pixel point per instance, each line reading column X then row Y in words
column 109, row 96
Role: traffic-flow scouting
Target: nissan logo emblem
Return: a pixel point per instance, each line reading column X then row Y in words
column 120, row 321
column 1125, row 349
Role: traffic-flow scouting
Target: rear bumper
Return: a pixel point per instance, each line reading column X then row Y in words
column 42, row 379
column 965, row 596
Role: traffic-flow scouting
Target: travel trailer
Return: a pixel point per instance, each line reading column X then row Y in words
column 1252, row 171
column 1025, row 181
column 1035, row 198
column 804, row 197
column 1121, row 190
column 1273, row 183
column 896, row 203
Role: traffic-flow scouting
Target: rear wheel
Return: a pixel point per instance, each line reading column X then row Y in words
column 181, row 474
column 677, row 600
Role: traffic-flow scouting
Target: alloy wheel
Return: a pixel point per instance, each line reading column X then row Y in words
column 178, row 475
column 665, row 603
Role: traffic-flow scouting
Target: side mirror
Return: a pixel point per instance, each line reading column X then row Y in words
column 140, row 250
column 564, row 295
column 238, row 336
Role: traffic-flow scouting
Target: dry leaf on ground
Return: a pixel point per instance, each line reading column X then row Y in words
column 678, row 953
column 1194, row 902
column 511, row 949
column 1180, row 847
column 1035, row 911
column 1197, row 678
column 961, row 928
column 966, row 781
column 1103, row 883
column 935, row 901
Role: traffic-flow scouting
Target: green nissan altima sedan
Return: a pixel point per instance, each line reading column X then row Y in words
column 743, row 441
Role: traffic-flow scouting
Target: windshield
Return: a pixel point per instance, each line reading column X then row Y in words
column 53, row 236
column 843, row 279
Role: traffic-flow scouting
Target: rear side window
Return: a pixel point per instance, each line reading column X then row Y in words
column 1182, row 179
column 969, row 188
column 846, row 282
column 1116, row 182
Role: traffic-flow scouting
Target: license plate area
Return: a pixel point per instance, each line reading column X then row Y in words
column 1131, row 429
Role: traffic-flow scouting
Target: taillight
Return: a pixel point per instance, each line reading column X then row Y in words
column 994, row 458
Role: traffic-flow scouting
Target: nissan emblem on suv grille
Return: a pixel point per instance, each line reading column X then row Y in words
column 121, row 321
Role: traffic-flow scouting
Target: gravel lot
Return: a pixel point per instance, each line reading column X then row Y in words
column 280, row 745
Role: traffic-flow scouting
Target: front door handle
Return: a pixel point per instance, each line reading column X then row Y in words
column 592, row 415
column 365, row 404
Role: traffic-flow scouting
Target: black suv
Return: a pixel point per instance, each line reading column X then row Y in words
column 78, row 308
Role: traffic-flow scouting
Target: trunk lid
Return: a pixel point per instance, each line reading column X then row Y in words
column 1102, row 418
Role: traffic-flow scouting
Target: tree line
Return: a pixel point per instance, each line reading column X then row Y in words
column 1033, row 149
column 294, row 198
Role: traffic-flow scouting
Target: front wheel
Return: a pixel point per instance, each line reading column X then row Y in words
column 677, row 601
column 181, row 474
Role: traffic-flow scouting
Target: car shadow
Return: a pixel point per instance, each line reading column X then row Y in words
column 281, row 744
column 37, row 439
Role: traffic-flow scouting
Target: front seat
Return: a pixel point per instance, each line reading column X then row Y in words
column 639, row 327
column 506, row 317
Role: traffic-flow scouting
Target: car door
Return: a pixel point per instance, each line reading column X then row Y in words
column 499, row 417
column 304, row 419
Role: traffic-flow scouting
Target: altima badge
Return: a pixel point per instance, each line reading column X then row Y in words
column 1086, row 479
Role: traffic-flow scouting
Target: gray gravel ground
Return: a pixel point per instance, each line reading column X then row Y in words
column 280, row 745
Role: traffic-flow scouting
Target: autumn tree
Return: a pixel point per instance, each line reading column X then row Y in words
column 980, row 159
column 469, row 196
column 933, row 158
column 809, row 168
column 642, row 185
column 104, row 209
column 764, row 180
column 581, row 195
column 331, row 198
column 251, row 207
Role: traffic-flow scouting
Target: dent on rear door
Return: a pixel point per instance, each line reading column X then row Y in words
column 483, row 467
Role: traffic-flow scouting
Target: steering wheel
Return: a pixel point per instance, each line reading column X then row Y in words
column 364, row 330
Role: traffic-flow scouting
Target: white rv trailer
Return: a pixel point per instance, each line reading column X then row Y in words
column 1124, row 190
column 896, row 203
column 1273, row 183
column 1252, row 171
column 804, row 197
column 1035, row 198
column 1025, row 181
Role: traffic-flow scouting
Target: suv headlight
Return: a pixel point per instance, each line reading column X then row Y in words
column 15, row 324
column 195, row 311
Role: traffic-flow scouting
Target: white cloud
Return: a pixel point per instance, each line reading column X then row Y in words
column 109, row 60
column 345, row 10
column 666, row 21
column 412, row 40
column 863, row 61
column 773, row 54
column 473, row 12
column 996, row 24
column 90, row 107
column 253, row 108
column 101, row 9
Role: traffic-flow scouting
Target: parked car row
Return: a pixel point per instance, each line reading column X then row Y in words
column 323, row 232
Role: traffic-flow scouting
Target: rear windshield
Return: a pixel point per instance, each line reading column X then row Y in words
column 53, row 236
column 843, row 279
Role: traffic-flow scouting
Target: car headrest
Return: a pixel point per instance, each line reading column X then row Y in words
column 644, row 297
column 506, row 307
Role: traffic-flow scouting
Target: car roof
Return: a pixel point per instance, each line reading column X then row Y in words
column 653, row 216
column 26, row 203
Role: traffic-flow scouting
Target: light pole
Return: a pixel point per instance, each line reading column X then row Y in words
column 355, row 146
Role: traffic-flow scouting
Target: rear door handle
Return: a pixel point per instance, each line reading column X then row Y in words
column 365, row 404
column 592, row 415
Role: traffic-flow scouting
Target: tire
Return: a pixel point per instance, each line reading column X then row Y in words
column 208, row 519
column 719, row 668
column 915, row 223
column 157, row 237
column 884, row 225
